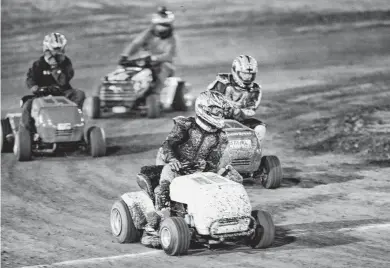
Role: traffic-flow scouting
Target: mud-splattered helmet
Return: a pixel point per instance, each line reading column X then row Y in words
column 209, row 110
column 163, row 21
column 244, row 70
column 55, row 43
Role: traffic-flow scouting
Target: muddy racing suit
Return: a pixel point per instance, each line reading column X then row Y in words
column 188, row 142
column 162, row 49
column 42, row 75
column 246, row 101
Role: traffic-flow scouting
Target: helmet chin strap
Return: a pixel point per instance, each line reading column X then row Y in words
column 204, row 125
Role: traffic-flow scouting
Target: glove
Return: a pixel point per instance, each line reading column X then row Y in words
column 202, row 165
column 175, row 165
column 122, row 60
column 34, row 89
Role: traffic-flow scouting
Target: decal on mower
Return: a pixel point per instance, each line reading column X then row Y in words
column 64, row 126
column 240, row 144
column 246, row 133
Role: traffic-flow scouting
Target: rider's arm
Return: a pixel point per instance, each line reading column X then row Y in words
column 64, row 73
column 217, row 85
column 32, row 77
column 215, row 156
column 137, row 43
column 169, row 53
column 175, row 137
column 253, row 103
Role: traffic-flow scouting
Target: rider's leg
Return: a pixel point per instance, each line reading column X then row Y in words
column 165, row 70
column 258, row 126
column 162, row 192
column 75, row 95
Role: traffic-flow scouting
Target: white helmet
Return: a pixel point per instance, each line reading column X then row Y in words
column 163, row 16
column 55, row 43
column 244, row 70
column 209, row 107
column 162, row 22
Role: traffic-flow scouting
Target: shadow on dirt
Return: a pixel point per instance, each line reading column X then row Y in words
column 294, row 177
column 296, row 236
column 124, row 145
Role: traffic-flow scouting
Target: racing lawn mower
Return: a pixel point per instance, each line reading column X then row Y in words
column 128, row 88
column 205, row 208
column 59, row 123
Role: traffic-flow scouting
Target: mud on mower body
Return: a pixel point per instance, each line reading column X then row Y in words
column 59, row 123
column 128, row 88
column 205, row 208
column 245, row 154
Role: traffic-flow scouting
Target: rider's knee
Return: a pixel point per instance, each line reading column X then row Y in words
column 167, row 174
column 260, row 131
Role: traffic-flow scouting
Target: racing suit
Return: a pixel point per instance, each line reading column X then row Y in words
column 246, row 101
column 41, row 74
column 163, row 49
column 188, row 142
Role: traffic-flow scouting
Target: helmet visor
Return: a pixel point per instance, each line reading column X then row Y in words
column 162, row 27
column 247, row 78
column 215, row 111
column 57, row 51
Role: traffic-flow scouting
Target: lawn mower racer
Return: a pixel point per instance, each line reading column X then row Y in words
column 51, row 71
column 52, row 116
column 242, row 93
column 160, row 41
column 204, row 207
column 144, row 78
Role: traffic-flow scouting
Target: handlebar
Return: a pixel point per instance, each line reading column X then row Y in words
column 48, row 90
column 143, row 62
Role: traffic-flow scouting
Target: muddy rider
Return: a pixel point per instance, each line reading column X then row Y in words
column 199, row 139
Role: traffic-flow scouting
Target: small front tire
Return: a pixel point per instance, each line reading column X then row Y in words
column 153, row 106
column 175, row 236
column 22, row 147
column 264, row 234
column 97, row 142
column 272, row 173
column 6, row 129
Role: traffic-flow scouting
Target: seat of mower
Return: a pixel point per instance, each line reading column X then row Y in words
column 24, row 99
column 152, row 174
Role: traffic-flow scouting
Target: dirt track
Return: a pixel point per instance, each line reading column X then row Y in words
column 331, row 211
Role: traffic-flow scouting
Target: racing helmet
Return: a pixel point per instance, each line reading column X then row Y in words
column 209, row 107
column 163, row 21
column 244, row 70
column 54, row 43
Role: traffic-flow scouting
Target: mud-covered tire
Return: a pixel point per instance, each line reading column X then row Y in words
column 179, row 103
column 153, row 106
column 273, row 173
column 122, row 225
column 264, row 234
column 97, row 142
column 175, row 236
column 6, row 129
column 22, row 146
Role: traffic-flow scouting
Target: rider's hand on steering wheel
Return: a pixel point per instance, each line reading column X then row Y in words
column 34, row 89
column 175, row 165
column 202, row 164
column 122, row 60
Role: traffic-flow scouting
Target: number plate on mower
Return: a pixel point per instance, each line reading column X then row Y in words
column 119, row 109
column 240, row 144
column 64, row 126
